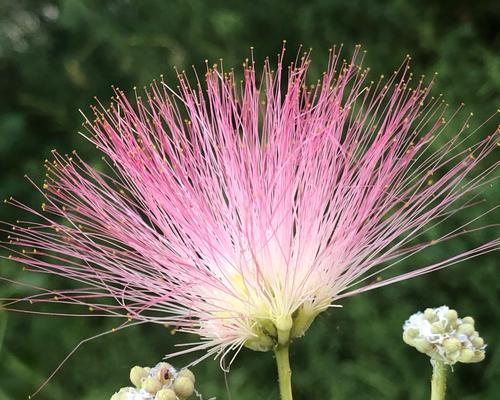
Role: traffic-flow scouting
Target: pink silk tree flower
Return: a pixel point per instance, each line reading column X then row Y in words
column 240, row 210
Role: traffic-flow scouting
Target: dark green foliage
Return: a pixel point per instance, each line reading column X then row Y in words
column 56, row 55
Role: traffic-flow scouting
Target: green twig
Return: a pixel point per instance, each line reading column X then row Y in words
column 284, row 372
column 438, row 383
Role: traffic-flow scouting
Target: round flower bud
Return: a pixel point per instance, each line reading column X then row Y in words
column 151, row 385
column 466, row 355
column 137, row 375
column 478, row 356
column 452, row 345
column 466, row 329
column 451, row 315
column 408, row 339
column 422, row 345
column 166, row 394
column 430, row 315
column 187, row 374
column 477, row 342
column 184, row 387
column 412, row 332
column 468, row 320
column 437, row 327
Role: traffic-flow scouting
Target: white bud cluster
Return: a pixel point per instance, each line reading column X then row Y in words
column 439, row 333
column 162, row 382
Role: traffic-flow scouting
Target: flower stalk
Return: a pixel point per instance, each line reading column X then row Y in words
column 438, row 382
column 284, row 371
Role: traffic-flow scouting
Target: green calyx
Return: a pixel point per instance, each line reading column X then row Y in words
column 282, row 329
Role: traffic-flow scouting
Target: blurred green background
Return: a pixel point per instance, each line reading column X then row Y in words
column 56, row 55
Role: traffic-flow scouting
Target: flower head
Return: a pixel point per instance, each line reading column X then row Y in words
column 444, row 337
column 161, row 382
column 240, row 211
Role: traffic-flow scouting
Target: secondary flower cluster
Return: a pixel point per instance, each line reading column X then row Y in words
column 162, row 382
column 439, row 333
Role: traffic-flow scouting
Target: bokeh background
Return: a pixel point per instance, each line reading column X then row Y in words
column 56, row 55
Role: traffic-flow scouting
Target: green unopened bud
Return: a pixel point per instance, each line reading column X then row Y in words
column 430, row 315
column 466, row 329
column 478, row 356
column 408, row 339
column 477, row 342
column 451, row 319
column 452, row 345
column 451, row 315
column 466, row 355
column 468, row 320
column 186, row 373
column 151, row 385
column 422, row 345
column 437, row 327
column 137, row 375
column 183, row 387
column 412, row 332
column 166, row 394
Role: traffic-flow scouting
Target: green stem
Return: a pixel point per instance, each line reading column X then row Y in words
column 284, row 371
column 438, row 383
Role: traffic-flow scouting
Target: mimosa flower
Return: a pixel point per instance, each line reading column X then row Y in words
column 240, row 211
